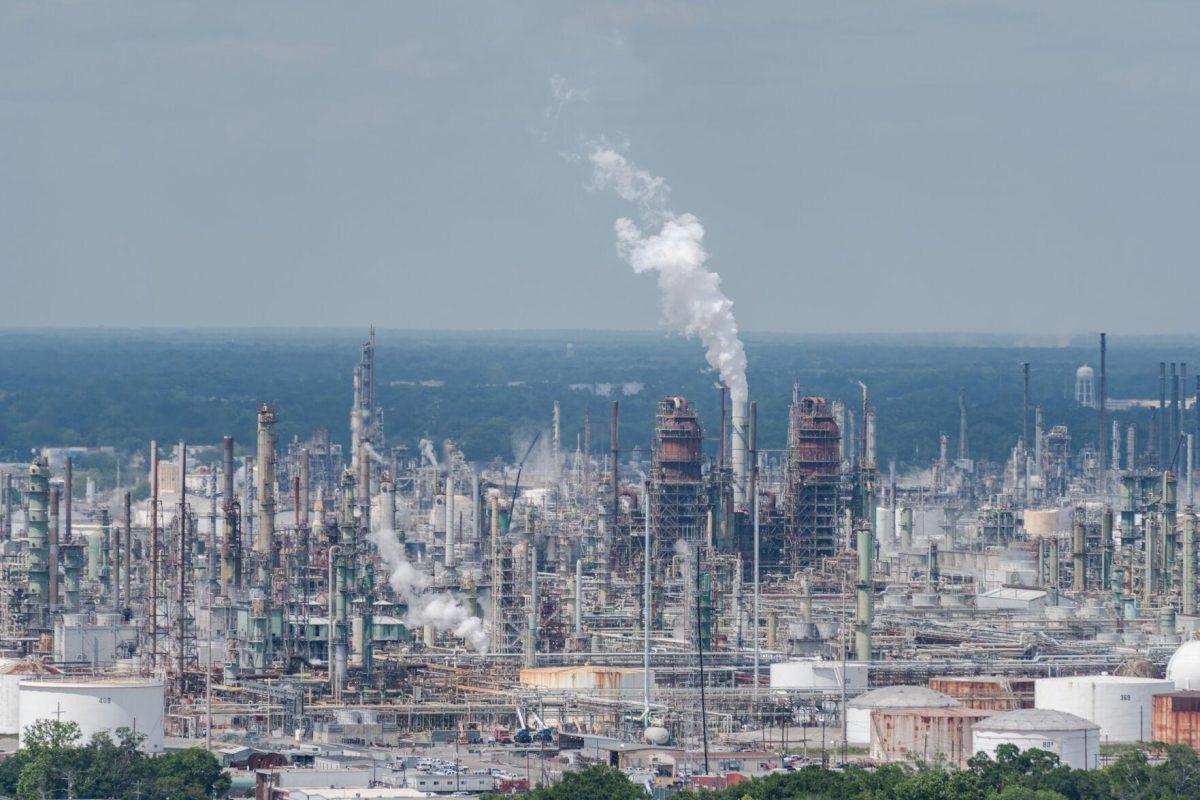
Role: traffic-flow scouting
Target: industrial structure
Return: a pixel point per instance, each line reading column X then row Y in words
column 247, row 591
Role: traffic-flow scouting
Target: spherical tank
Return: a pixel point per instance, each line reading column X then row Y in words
column 1184, row 666
column 97, row 706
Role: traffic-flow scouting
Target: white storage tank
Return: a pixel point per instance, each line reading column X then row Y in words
column 893, row 698
column 1075, row 740
column 1121, row 706
column 814, row 675
column 1184, row 666
column 12, row 672
column 98, row 706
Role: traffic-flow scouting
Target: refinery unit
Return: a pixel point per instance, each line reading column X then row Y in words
column 285, row 597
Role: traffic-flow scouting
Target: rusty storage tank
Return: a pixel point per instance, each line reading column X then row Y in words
column 1176, row 718
column 927, row 735
column 988, row 692
column 892, row 698
column 678, row 442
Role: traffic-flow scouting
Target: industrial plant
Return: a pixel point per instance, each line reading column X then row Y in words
column 394, row 614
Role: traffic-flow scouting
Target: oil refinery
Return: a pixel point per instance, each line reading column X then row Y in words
column 718, row 609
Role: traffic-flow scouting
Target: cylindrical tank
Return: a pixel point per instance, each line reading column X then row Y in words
column 1073, row 739
column 1123, row 707
column 858, row 710
column 97, row 706
column 12, row 672
column 819, row 676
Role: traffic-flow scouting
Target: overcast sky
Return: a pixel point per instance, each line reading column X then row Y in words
column 857, row 166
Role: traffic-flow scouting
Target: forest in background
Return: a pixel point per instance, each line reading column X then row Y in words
column 489, row 391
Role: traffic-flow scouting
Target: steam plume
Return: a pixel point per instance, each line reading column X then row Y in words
column 691, row 296
column 442, row 610
column 429, row 453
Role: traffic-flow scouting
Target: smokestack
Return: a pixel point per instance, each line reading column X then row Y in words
column 8, row 503
column 305, row 498
column 153, row 553
column 387, row 504
column 1174, row 443
column 579, row 595
column 128, row 560
column 737, row 446
column 1078, row 582
column 114, row 566
column 53, row 557
column 356, row 433
column 264, row 539
column 1103, row 399
column 1025, row 422
column 963, row 452
column 451, row 557
column 556, row 439
column 1189, row 564
column 231, row 553
column 227, row 493
column 752, row 488
column 68, row 492
column 1131, row 447
column 1116, row 445
column 1106, row 545
column 1162, row 415
column 865, row 591
column 615, row 478
column 364, row 484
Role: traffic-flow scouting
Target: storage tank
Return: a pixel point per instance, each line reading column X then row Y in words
column 1184, row 666
column 927, row 735
column 819, row 676
column 12, row 672
column 98, row 706
column 1122, row 707
column 988, row 692
column 1075, row 740
column 858, row 710
column 1177, row 719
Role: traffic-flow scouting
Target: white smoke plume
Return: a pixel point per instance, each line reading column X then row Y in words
column 429, row 453
column 370, row 451
column 691, row 296
column 442, row 610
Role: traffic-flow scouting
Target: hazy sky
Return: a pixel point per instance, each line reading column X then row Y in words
column 858, row 166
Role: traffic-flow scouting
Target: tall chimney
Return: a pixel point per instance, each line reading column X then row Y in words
column 737, row 446
column 1103, row 399
column 264, row 539
column 451, row 557
column 1025, row 422
column 615, row 477
column 963, row 451
column 1162, row 415
column 305, row 498
column 128, row 559
column 52, row 561
column 68, row 500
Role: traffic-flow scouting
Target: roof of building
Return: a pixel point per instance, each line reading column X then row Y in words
column 1035, row 719
column 903, row 697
